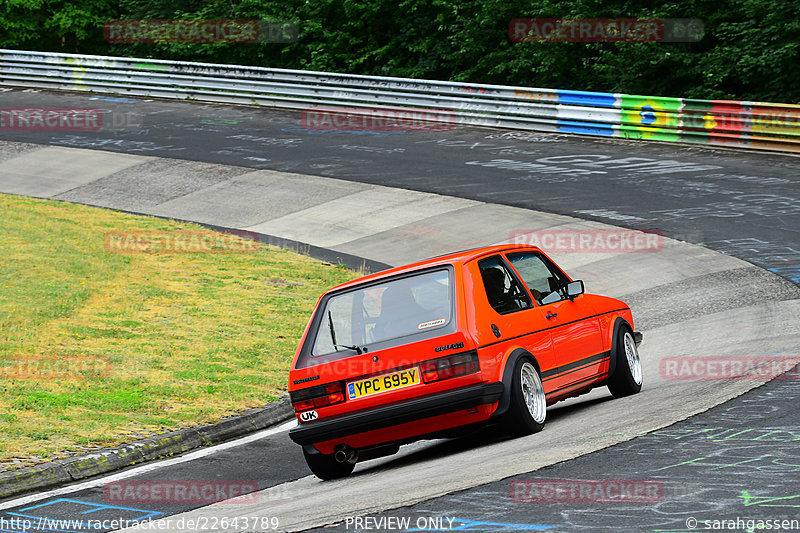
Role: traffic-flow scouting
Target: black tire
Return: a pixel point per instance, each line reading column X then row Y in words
column 526, row 417
column 627, row 377
column 326, row 467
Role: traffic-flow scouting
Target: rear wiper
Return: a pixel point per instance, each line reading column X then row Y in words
column 358, row 349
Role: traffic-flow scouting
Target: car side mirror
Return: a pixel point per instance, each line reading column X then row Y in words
column 574, row 289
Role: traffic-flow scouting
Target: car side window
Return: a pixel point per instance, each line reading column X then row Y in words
column 543, row 278
column 504, row 292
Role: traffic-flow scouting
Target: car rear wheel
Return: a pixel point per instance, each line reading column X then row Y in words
column 327, row 467
column 627, row 377
column 528, row 408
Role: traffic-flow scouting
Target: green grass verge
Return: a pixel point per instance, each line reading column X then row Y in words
column 100, row 348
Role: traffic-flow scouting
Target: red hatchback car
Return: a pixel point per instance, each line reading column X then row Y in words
column 486, row 336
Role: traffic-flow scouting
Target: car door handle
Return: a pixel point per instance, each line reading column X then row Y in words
column 551, row 315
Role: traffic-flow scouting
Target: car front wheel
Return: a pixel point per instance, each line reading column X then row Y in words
column 528, row 408
column 627, row 377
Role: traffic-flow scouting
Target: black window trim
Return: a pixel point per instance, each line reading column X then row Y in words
column 549, row 263
column 515, row 276
column 308, row 343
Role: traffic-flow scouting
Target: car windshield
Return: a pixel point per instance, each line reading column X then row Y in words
column 398, row 308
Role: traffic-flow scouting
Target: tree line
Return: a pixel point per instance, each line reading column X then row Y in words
column 748, row 51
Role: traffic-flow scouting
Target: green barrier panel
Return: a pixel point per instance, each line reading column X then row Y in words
column 650, row 117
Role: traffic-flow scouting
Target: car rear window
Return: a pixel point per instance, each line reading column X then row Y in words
column 399, row 308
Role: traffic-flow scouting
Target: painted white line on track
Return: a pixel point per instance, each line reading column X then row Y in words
column 191, row 456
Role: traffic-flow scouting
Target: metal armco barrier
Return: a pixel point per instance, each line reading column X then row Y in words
column 741, row 124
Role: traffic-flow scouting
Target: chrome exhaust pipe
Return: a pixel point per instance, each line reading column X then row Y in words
column 345, row 454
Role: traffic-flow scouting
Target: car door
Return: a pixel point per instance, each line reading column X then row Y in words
column 511, row 319
column 576, row 333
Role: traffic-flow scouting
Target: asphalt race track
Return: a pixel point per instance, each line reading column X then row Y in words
column 735, row 461
column 475, row 187
column 740, row 203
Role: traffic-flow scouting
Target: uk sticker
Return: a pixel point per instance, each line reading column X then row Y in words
column 432, row 323
column 308, row 416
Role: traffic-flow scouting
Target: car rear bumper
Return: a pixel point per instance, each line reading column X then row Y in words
column 392, row 415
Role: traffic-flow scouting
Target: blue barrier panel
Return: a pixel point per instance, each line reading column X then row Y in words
column 586, row 128
column 587, row 98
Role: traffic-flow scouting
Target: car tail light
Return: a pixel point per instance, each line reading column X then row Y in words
column 450, row 367
column 318, row 396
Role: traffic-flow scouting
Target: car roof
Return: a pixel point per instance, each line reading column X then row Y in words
column 462, row 257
